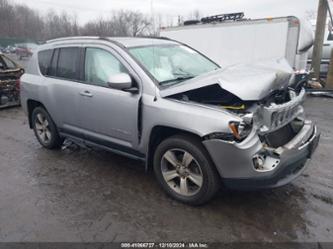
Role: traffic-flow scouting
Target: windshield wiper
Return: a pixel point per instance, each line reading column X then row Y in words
column 178, row 79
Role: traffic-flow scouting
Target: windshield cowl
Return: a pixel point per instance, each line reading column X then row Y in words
column 176, row 81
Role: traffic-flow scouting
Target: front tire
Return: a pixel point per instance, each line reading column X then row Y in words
column 185, row 171
column 45, row 129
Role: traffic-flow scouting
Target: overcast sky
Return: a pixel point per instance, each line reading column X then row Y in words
column 86, row 10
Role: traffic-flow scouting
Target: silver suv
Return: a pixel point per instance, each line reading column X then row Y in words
column 156, row 100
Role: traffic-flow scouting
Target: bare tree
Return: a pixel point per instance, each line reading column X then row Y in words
column 59, row 25
column 100, row 27
column 20, row 21
column 28, row 22
column 129, row 23
column 6, row 18
column 120, row 23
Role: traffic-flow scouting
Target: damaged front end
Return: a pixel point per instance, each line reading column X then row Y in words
column 9, row 83
column 270, row 146
column 278, row 123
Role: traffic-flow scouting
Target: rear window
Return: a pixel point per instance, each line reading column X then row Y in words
column 53, row 67
column 44, row 60
column 68, row 63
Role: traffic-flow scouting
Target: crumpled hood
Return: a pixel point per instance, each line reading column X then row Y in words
column 247, row 82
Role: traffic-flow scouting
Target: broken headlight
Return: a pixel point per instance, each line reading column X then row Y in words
column 240, row 130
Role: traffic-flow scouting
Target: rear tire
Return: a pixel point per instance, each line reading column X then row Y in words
column 185, row 171
column 45, row 129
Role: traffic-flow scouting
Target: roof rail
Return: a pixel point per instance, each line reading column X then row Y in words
column 69, row 38
column 153, row 37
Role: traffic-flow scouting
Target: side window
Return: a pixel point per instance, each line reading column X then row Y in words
column 100, row 65
column 54, row 61
column 68, row 63
column 44, row 60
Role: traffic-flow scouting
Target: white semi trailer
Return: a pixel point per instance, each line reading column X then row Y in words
column 230, row 42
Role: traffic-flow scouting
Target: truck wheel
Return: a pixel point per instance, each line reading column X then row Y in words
column 184, row 170
column 45, row 129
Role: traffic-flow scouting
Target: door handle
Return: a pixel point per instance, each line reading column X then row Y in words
column 86, row 93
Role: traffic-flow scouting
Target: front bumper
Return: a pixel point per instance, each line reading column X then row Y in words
column 234, row 161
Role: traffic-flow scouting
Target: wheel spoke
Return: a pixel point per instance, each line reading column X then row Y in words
column 45, row 136
column 46, row 123
column 170, row 175
column 48, row 134
column 187, row 159
column 171, row 158
column 183, row 186
column 40, row 118
column 196, row 179
column 38, row 126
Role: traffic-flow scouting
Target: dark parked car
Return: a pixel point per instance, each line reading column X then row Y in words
column 10, row 74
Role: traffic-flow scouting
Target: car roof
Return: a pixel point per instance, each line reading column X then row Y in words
column 143, row 41
column 127, row 42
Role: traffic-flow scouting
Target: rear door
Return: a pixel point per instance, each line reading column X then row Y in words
column 64, row 88
column 109, row 116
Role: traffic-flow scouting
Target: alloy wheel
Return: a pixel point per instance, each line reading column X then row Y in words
column 43, row 128
column 181, row 172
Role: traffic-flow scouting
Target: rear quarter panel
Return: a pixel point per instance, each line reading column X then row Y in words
column 34, row 86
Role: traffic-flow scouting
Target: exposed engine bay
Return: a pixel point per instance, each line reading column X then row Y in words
column 215, row 95
column 278, row 117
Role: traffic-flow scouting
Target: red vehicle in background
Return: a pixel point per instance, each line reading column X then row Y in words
column 24, row 50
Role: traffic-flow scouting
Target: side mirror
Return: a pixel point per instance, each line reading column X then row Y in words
column 121, row 81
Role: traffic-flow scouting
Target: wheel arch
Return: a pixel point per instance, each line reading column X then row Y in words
column 160, row 133
column 31, row 105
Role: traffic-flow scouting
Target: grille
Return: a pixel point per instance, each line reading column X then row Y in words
column 276, row 116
